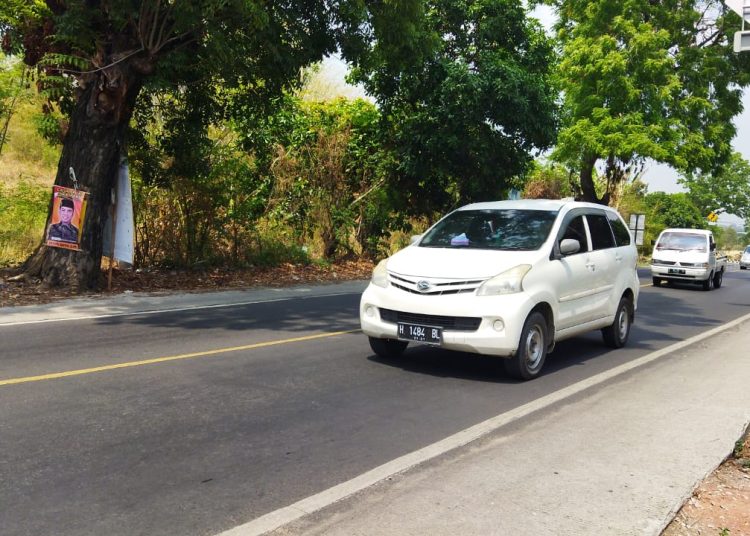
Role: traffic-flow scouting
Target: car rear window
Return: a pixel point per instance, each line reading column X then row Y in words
column 601, row 234
column 503, row 229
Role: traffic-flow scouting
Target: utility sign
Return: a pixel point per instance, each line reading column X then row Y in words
column 739, row 6
column 637, row 227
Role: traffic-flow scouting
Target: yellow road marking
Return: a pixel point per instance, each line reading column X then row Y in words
column 66, row 374
column 56, row 375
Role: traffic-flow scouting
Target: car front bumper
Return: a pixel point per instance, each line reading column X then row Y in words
column 690, row 274
column 491, row 337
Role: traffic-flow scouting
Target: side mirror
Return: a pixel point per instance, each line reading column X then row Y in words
column 569, row 246
column 653, row 242
column 415, row 238
column 713, row 246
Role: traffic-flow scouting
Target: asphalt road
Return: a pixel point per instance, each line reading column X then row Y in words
column 197, row 444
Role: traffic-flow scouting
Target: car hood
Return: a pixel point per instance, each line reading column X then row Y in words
column 671, row 255
column 453, row 263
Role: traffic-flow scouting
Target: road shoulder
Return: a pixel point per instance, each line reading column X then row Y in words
column 612, row 460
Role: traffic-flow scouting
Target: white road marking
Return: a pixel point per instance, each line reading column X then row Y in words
column 293, row 512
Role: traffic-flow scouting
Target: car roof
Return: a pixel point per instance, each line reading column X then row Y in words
column 532, row 204
column 686, row 230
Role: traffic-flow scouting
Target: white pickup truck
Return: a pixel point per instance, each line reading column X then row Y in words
column 687, row 255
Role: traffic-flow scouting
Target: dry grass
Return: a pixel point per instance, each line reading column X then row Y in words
column 27, row 171
column 26, row 157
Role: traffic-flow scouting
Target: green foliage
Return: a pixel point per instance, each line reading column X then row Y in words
column 547, row 181
column 313, row 169
column 328, row 173
column 727, row 238
column 13, row 91
column 23, row 212
column 646, row 80
column 630, row 197
column 670, row 210
column 465, row 108
column 185, row 67
column 196, row 193
column 726, row 190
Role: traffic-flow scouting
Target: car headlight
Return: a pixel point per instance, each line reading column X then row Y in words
column 657, row 261
column 380, row 275
column 508, row 282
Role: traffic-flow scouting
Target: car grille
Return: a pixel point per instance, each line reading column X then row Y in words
column 453, row 323
column 438, row 287
column 664, row 263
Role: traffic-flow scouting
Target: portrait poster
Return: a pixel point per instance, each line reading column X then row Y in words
column 68, row 215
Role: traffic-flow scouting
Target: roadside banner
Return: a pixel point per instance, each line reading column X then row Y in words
column 68, row 216
column 124, row 229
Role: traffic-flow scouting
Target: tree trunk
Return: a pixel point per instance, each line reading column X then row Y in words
column 92, row 147
column 587, row 182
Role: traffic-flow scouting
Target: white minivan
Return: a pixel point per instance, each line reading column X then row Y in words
column 507, row 278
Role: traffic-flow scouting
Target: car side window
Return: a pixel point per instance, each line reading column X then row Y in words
column 601, row 234
column 622, row 234
column 576, row 230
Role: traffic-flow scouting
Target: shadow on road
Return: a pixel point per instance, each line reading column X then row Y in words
column 324, row 313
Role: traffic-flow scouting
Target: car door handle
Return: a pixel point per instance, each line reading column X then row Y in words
column 591, row 266
column 618, row 258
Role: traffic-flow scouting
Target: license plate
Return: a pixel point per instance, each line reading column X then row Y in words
column 676, row 271
column 414, row 332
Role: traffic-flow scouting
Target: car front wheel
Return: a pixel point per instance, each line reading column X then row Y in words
column 528, row 360
column 656, row 281
column 616, row 335
column 387, row 347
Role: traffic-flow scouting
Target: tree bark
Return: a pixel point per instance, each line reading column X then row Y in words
column 587, row 182
column 92, row 147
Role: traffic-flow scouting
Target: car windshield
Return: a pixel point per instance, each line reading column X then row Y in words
column 503, row 229
column 683, row 242
column 747, row 249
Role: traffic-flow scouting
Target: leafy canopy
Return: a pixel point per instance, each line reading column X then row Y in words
column 644, row 79
column 726, row 190
column 468, row 105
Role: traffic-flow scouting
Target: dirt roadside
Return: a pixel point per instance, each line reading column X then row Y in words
column 719, row 506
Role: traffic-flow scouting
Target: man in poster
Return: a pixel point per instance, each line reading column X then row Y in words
column 64, row 231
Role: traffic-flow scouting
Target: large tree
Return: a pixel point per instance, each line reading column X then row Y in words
column 726, row 190
column 467, row 108
column 98, row 56
column 644, row 79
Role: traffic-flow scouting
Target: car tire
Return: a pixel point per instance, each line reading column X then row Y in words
column 387, row 348
column 718, row 279
column 708, row 284
column 656, row 281
column 616, row 335
column 527, row 362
